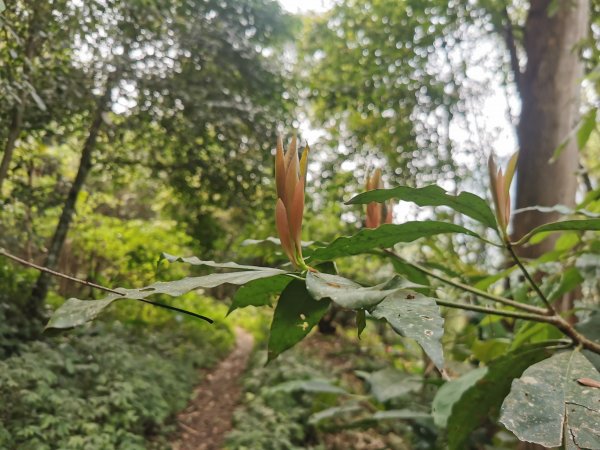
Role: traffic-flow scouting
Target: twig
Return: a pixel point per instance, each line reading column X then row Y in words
column 467, row 288
column 57, row 274
column 496, row 312
column 536, row 288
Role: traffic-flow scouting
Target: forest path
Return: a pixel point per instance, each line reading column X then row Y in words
column 206, row 420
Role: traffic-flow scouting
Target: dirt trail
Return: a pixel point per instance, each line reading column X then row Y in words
column 204, row 423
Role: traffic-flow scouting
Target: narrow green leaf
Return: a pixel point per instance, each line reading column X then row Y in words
column 465, row 203
column 313, row 385
column 587, row 126
column 385, row 236
column 76, row 312
column 565, row 225
column 547, row 405
column 484, row 393
column 361, row 321
column 413, row 315
column 194, row 260
column 295, row 315
column 259, row 292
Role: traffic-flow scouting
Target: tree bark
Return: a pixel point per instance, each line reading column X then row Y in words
column 549, row 91
column 19, row 110
column 40, row 290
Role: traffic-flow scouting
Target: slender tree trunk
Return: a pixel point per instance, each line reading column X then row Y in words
column 549, row 91
column 40, row 289
column 11, row 140
column 19, row 111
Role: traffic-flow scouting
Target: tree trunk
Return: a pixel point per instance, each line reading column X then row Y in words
column 15, row 129
column 40, row 289
column 17, row 117
column 549, row 91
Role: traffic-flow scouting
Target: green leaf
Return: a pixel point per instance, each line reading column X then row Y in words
column 413, row 315
column 387, row 384
column 565, row 225
column 478, row 395
column 385, row 236
column 227, row 265
column 361, row 321
column 314, row 385
column 569, row 280
column 400, row 414
column 450, row 393
column 259, row 292
column 547, row 405
column 335, row 412
column 347, row 293
column 588, row 124
column 76, row 312
column 465, row 203
column 295, row 315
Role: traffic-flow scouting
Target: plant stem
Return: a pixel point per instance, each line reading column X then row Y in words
column 57, row 274
column 467, row 288
column 536, row 288
column 496, row 312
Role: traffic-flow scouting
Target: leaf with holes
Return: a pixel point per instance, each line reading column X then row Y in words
column 76, row 312
column 547, row 405
column 295, row 315
column 416, row 316
column 385, row 236
column 349, row 294
column 259, row 292
column 464, row 404
column 465, row 203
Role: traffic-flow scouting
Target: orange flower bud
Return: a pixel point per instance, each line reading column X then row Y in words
column 500, row 185
column 290, row 176
column 377, row 213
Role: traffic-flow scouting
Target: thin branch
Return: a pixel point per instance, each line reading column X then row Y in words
column 57, row 274
column 496, row 312
column 467, row 288
column 97, row 286
column 533, row 284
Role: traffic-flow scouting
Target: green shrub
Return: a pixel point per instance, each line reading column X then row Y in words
column 106, row 387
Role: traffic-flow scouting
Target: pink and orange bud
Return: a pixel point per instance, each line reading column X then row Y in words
column 290, row 177
column 500, row 184
column 377, row 213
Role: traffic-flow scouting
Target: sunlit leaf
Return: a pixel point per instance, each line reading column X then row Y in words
column 587, row 126
column 259, row 292
column 385, row 236
column 547, row 405
column 217, row 265
column 413, row 315
column 465, row 203
column 295, row 315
